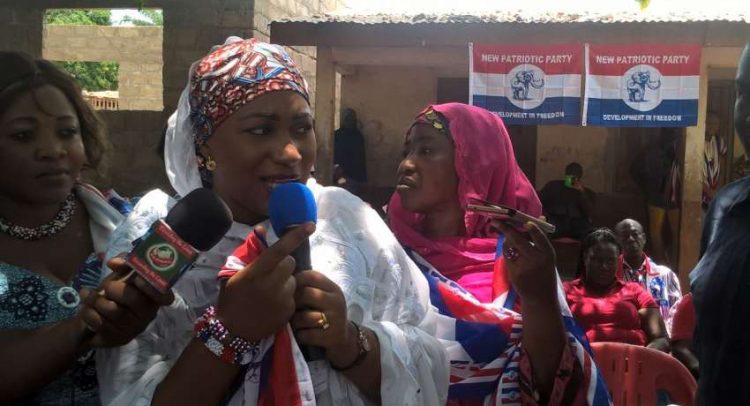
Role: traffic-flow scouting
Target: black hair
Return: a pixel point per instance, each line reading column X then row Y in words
column 599, row 236
column 19, row 74
column 574, row 169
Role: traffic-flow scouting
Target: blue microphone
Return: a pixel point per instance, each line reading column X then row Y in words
column 291, row 205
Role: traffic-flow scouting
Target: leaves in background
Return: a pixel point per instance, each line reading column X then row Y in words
column 78, row 17
column 93, row 76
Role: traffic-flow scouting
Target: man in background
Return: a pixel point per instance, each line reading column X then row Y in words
column 568, row 204
column 657, row 172
column 635, row 266
column 349, row 157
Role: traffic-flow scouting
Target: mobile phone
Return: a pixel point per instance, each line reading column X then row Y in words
column 570, row 180
column 507, row 214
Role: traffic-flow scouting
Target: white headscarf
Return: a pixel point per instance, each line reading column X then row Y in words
column 179, row 150
column 179, row 146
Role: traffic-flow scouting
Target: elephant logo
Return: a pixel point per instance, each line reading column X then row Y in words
column 526, row 84
column 522, row 81
column 639, row 87
column 638, row 83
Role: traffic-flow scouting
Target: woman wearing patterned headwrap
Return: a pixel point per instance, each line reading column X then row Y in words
column 243, row 125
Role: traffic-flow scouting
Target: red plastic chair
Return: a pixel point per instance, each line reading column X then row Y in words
column 634, row 374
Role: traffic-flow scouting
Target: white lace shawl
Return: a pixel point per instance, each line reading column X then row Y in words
column 352, row 246
column 103, row 217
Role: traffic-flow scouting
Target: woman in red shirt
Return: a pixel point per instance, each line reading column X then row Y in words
column 683, row 325
column 607, row 308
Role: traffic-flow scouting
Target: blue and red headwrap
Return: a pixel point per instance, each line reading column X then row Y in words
column 234, row 75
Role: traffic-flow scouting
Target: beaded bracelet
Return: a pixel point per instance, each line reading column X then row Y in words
column 215, row 336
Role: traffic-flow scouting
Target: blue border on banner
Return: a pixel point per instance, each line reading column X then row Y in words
column 616, row 113
column 562, row 110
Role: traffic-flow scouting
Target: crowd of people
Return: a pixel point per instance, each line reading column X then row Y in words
column 435, row 305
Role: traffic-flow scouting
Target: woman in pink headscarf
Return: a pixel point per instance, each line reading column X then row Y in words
column 452, row 154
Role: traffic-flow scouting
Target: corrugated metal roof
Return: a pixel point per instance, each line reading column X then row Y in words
column 527, row 17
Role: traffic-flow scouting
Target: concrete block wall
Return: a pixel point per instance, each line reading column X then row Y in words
column 21, row 29
column 133, row 165
column 138, row 50
column 141, row 86
column 191, row 28
column 267, row 11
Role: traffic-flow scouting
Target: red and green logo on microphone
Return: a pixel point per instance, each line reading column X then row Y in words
column 161, row 257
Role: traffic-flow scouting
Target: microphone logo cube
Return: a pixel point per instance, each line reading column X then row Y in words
column 162, row 256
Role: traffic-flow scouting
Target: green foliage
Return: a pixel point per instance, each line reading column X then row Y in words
column 93, row 76
column 146, row 18
column 79, row 17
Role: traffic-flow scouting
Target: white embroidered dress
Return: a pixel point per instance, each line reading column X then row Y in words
column 353, row 247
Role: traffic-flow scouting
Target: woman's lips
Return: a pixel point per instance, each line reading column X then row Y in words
column 54, row 175
column 272, row 181
column 406, row 183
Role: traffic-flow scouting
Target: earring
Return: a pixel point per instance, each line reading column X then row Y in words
column 210, row 164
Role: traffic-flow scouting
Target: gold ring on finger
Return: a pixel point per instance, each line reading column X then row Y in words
column 323, row 321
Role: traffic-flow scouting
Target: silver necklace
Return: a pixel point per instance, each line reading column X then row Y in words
column 57, row 224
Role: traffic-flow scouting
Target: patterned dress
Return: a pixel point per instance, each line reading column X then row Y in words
column 29, row 301
column 659, row 281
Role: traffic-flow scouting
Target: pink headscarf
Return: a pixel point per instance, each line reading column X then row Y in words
column 487, row 169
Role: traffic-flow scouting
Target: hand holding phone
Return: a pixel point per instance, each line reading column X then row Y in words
column 574, row 182
column 530, row 265
column 508, row 215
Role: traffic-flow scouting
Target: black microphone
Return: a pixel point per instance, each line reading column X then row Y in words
column 196, row 223
column 291, row 205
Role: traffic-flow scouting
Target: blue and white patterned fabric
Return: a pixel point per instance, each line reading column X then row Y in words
column 29, row 301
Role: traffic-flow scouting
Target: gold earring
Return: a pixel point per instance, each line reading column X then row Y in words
column 210, row 164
